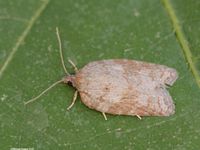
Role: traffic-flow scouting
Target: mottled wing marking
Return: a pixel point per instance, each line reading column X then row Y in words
column 126, row 87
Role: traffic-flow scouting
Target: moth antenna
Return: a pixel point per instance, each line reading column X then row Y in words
column 43, row 92
column 61, row 52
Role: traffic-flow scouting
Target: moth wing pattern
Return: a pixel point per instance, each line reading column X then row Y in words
column 126, row 87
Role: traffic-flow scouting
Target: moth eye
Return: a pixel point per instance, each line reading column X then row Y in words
column 69, row 83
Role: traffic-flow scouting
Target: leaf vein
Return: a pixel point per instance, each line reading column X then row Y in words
column 23, row 36
column 182, row 39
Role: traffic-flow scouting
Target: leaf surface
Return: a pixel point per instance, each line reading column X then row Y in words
column 94, row 30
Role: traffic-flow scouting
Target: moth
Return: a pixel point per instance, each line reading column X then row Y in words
column 121, row 86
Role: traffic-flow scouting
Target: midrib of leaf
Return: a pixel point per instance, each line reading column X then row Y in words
column 23, row 36
column 182, row 39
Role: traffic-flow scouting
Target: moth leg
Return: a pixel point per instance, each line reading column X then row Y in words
column 71, row 62
column 139, row 117
column 73, row 101
column 104, row 115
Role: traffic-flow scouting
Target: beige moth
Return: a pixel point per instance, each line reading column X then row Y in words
column 121, row 86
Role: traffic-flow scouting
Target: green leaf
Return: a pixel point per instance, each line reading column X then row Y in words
column 163, row 32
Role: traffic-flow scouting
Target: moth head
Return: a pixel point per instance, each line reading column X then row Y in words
column 69, row 79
